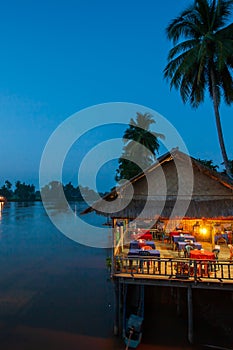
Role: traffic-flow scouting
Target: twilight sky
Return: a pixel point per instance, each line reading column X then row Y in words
column 60, row 57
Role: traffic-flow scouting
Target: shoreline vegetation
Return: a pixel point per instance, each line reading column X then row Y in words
column 22, row 192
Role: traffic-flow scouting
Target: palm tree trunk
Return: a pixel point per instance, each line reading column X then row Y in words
column 219, row 127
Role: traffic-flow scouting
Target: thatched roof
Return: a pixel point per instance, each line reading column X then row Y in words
column 175, row 186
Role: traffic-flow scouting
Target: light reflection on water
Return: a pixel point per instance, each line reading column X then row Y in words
column 49, row 281
column 36, row 259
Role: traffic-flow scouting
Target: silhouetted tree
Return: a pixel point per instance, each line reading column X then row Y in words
column 202, row 57
column 6, row 190
column 208, row 163
column 24, row 192
column 138, row 133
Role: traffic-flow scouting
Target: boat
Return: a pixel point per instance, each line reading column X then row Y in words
column 133, row 325
column 133, row 333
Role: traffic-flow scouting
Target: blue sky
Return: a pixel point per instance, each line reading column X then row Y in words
column 59, row 57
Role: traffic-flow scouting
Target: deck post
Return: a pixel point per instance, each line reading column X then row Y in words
column 120, row 309
column 190, row 315
column 178, row 301
column 116, row 308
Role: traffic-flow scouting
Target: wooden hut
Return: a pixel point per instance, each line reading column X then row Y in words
column 176, row 191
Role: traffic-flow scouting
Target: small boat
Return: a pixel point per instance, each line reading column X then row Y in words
column 133, row 325
column 133, row 333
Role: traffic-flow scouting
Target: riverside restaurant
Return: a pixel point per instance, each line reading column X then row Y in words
column 171, row 227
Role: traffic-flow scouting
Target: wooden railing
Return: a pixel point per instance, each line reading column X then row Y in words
column 183, row 268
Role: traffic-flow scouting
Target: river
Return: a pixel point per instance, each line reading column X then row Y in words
column 56, row 293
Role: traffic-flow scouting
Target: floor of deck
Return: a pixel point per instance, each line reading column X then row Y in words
column 166, row 272
column 167, row 251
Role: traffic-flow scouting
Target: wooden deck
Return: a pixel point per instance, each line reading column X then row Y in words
column 168, row 271
column 171, row 269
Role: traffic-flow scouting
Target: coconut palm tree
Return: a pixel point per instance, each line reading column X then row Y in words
column 202, row 57
column 138, row 133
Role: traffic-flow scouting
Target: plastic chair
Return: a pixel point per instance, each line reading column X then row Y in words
column 187, row 249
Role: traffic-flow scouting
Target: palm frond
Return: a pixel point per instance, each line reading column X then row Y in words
column 182, row 47
column 226, row 32
column 223, row 11
column 227, row 85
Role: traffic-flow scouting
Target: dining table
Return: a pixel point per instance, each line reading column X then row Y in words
column 140, row 243
column 178, row 233
column 142, row 234
column 183, row 238
column 141, row 253
column 202, row 254
column 144, row 257
column 203, row 258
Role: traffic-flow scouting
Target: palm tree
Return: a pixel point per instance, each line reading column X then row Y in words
column 138, row 133
column 202, row 57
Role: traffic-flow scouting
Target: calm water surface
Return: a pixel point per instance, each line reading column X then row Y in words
column 53, row 289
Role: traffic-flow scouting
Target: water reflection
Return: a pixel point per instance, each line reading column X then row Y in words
column 2, row 202
column 54, row 280
column 51, row 283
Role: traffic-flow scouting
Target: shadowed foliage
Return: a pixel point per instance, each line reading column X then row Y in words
column 136, row 158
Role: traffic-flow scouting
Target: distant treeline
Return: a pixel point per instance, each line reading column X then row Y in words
column 27, row 192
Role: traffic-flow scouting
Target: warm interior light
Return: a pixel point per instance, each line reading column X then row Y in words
column 203, row 230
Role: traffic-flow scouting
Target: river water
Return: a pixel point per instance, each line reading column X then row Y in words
column 56, row 293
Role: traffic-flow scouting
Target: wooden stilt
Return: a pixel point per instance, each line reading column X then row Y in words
column 116, row 308
column 120, row 310
column 190, row 315
column 178, row 301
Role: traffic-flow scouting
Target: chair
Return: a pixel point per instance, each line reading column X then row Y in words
column 187, row 249
column 221, row 240
column 216, row 252
column 165, row 237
